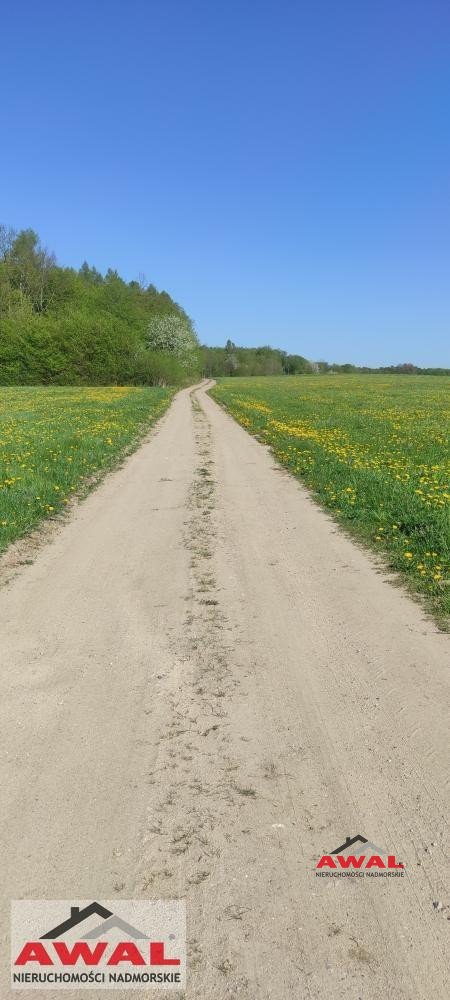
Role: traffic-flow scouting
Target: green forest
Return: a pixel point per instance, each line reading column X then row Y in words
column 61, row 326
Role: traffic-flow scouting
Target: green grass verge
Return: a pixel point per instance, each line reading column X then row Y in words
column 55, row 442
column 374, row 450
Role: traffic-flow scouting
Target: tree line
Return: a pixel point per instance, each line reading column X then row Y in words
column 63, row 326
column 231, row 360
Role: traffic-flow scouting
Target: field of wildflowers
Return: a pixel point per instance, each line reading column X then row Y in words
column 374, row 450
column 53, row 441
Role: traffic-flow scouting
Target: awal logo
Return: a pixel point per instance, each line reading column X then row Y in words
column 95, row 946
column 373, row 862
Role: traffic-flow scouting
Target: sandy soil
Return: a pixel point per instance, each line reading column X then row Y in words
column 204, row 687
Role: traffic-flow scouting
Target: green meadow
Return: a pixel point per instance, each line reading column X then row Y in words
column 374, row 451
column 55, row 441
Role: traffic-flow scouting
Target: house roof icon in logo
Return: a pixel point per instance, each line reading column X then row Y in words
column 367, row 846
column 109, row 921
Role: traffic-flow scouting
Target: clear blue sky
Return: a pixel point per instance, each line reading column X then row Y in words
column 281, row 168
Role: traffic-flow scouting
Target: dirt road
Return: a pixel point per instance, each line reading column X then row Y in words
column 205, row 686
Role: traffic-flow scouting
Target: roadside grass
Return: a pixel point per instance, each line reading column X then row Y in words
column 56, row 442
column 374, row 451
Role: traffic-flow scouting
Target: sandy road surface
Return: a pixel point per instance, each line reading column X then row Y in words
column 205, row 686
